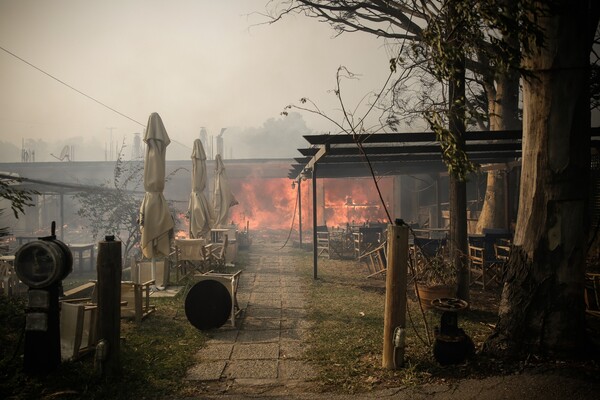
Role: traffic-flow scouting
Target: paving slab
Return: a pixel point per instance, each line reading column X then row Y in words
column 254, row 369
column 215, row 351
column 255, row 351
column 253, row 323
column 207, row 371
column 226, row 335
column 263, row 312
column 268, row 335
column 264, row 352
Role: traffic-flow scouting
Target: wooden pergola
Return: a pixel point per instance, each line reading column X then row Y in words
column 392, row 154
column 339, row 156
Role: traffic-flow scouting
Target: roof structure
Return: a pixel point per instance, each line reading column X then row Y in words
column 339, row 156
column 347, row 156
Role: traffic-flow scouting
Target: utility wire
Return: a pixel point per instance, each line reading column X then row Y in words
column 71, row 87
column 82, row 93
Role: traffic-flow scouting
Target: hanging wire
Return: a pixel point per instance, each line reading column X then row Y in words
column 293, row 219
column 71, row 87
column 82, row 93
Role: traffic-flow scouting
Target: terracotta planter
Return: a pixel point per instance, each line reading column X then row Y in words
column 429, row 293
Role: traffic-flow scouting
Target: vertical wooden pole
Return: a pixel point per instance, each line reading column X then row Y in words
column 314, row 201
column 395, row 294
column 62, row 216
column 109, row 303
column 300, row 211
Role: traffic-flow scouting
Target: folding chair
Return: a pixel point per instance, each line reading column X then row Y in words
column 78, row 329
column 190, row 254
column 376, row 260
column 216, row 254
column 592, row 294
column 323, row 241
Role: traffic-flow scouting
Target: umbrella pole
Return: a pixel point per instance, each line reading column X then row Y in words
column 153, row 277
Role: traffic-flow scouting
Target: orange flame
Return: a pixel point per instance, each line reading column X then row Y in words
column 270, row 203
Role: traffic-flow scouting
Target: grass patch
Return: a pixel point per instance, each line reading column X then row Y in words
column 155, row 357
column 346, row 340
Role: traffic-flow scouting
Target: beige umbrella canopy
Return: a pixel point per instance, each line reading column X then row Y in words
column 223, row 199
column 201, row 213
column 155, row 219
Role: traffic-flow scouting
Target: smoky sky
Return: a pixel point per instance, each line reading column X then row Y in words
column 195, row 62
column 276, row 138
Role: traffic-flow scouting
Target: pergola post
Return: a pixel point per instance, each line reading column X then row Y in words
column 314, row 203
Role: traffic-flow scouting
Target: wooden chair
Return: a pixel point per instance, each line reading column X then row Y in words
column 488, row 256
column 78, row 329
column 376, row 260
column 323, row 241
column 190, row 256
column 141, row 271
column 366, row 239
column 216, row 253
column 135, row 294
column 592, row 294
column 78, row 321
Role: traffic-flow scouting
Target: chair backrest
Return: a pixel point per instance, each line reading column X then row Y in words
column 490, row 239
column 141, row 272
column 189, row 249
column 370, row 234
column 71, row 329
column 223, row 248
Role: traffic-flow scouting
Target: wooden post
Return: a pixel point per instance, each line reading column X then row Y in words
column 314, row 203
column 109, row 305
column 300, row 211
column 395, row 294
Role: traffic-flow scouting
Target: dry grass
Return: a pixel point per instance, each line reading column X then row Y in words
column 347, row 337
column 346, row 344
column 154, row 357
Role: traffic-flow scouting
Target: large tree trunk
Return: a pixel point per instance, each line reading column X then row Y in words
column 503, row 109
column 541, row 309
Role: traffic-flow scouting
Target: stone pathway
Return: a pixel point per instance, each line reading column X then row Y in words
column 264, row 352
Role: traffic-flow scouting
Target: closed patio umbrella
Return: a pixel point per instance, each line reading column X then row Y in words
column 200, row 210
column 155, row 219
column 223, row 199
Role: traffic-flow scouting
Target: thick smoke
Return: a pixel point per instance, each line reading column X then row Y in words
column 276, row 138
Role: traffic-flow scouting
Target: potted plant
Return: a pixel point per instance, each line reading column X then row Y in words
column 435, row 278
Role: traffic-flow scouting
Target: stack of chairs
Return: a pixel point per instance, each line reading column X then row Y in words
column 488, row 256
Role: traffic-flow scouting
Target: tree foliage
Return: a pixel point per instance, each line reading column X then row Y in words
column 18, row 198
column 113, row 208
column 427, row 43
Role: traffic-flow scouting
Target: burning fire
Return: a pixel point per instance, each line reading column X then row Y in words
column 355, row 201
column 270, row 203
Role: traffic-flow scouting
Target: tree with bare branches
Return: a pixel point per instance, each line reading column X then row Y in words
column 542, row 300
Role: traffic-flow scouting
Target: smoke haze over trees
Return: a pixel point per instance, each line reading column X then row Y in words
column 276, row 138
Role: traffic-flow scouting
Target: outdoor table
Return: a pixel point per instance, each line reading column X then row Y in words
column 79, row 250
column 21, row 240
column 8, row 259
column 216, row 234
